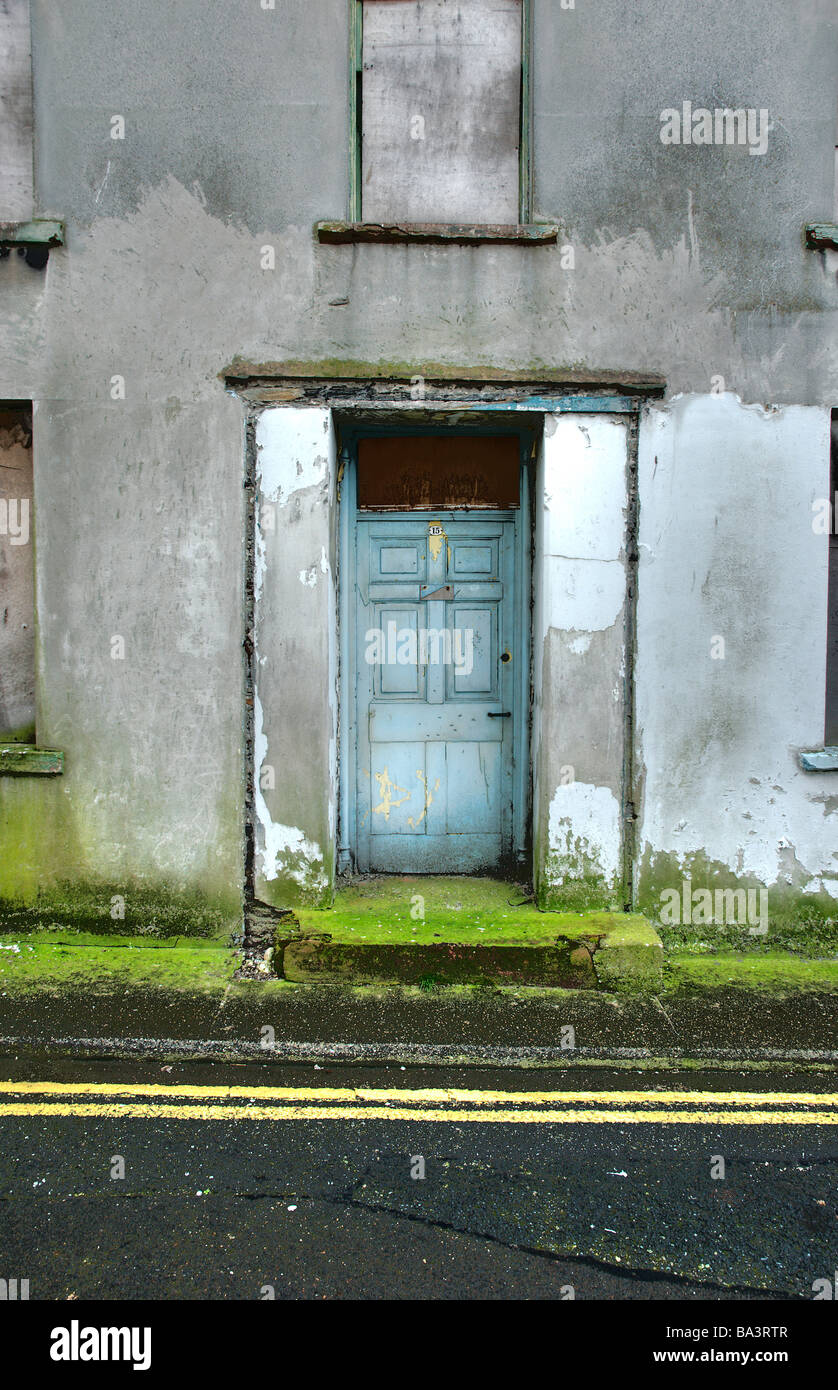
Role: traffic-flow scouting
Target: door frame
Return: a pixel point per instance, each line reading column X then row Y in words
column 348, row 514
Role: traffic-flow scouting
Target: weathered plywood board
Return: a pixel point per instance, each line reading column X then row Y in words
column 17, row 575
column 441, row 110
column 831, row 723
column 16, row 178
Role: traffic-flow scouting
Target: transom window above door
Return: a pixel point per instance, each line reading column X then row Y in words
column 417, row 472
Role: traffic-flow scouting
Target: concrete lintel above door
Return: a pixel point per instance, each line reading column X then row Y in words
column 426, row 389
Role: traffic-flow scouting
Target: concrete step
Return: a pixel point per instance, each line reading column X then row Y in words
column 594, row 950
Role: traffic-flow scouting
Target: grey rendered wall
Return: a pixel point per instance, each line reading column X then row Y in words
column 16, row 138
column 687, row 261
column 731, row 655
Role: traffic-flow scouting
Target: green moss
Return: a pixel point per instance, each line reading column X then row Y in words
column 805, row 924
column 303, row 885
column 46, row 878
column 425, row 909
column 775, row 971
column 576, row 892
column 574, row 372
column 539, row 371
column 97, row 969
column 148, row 911
column 37, row 840
column 390, row 927
column 575, row 882
column 25, row 734
column 572, row 882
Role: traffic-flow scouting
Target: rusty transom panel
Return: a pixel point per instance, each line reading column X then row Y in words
column 438, row 473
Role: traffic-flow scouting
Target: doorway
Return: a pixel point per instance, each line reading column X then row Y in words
column 435, row 600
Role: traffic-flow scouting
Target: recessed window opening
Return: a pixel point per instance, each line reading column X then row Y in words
column 831, row 725
column 441, row 104
column 17, row 575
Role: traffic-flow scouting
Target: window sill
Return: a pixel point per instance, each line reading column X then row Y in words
column 821, row 760
column 31, row 239
column 822, row 236
column 439, row 233
column 26, row 760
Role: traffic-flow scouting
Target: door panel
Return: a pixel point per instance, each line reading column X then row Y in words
column 434, row 605
column 401, row 675
column 478, row 670
column 473, row 778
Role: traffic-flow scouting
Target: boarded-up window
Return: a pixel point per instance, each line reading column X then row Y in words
column 16, row 188
column 438, row 472
column 440, row 103
column 831, row 730
column 17, row 576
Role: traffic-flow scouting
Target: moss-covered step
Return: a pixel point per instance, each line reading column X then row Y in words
column 439, row 930
column 560, row 964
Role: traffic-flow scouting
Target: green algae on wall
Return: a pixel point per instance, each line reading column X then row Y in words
column 46, row 879
column 561, row 889
column 301, row 881
column 122, row 908
column 577, row 883
column 805, row 923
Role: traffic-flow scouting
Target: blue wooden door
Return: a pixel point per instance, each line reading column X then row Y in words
column 435, row 673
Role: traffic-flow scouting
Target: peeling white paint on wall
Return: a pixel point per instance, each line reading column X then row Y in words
column 281, row 848
column 579, row 650
column 584, row 595
column 291, row 452
column 584, row 471
column 308, row 577
column 584, row 487
column 729, row 550
column 259, row 554
column 295, row 642
column 584, row 828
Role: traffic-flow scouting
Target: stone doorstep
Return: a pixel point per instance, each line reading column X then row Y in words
column 608, row 951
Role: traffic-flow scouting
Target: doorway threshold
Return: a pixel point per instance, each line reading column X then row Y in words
column 427, row 930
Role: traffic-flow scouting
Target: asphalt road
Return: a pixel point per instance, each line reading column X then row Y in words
column 307, row 1183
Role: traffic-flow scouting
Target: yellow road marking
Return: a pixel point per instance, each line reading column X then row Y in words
column 428, row 1096
column 150, row 1100
column 134, row 1110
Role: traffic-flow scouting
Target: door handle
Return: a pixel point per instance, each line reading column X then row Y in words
column 507, row 714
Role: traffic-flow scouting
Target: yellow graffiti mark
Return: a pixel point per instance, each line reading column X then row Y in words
column 436, row 535
column 429, row 796
column 386, row 788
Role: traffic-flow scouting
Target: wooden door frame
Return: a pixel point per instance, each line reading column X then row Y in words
column 348, row 515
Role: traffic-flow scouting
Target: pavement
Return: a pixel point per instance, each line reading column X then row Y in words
column 131, row 1179
column 119, row 1016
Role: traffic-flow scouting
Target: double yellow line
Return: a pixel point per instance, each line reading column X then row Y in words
column 149, row 1100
